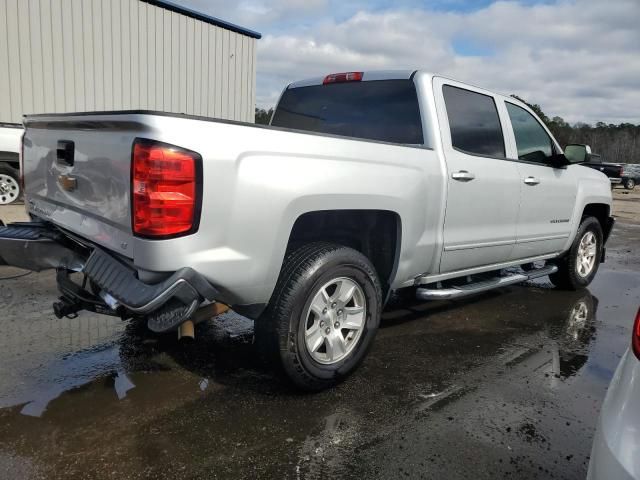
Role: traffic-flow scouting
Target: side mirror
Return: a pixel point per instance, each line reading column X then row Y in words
column 577, row 153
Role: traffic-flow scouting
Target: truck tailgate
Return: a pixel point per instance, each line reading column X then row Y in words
column 77, row 172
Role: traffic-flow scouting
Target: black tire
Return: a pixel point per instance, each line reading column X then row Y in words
column 280, row 332
column 567, row 276
column 6, row 169
column 629, row 184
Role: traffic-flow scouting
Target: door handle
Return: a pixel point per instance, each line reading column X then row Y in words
column 463, row 176
column 531, row 181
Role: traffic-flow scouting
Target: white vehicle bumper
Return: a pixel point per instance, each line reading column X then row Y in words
column 616, row 447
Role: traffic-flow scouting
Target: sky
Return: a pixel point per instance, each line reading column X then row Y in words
column 578, row 59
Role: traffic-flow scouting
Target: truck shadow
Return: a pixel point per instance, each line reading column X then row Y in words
column 224, row 349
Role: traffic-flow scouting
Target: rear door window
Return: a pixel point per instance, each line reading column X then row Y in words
column 384, row 110
column 474, row 122
column 532, row 141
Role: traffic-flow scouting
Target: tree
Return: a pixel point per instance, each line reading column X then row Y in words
column 616, row 143
column 263, row 116
column 536, row 108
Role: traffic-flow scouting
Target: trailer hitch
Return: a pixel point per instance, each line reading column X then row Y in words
column 76, row 298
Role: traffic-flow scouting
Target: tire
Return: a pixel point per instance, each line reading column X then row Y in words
column 573, row 274
column 290, row 318
column 629, row 184
column 9, row 184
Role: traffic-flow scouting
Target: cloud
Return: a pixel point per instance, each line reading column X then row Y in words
column 577, row 59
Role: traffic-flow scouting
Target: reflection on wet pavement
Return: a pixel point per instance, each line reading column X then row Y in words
column 508, row 383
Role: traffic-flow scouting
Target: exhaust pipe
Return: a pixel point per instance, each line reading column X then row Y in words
column 187, row 328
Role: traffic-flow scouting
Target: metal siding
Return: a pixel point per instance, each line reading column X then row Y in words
column 93, row 55
column 214, row 71
column 167, row 60
column 24, row 49
column 224, row 70
column 254, row 53
column 204, row 90
column 5, row 81
column 134, row 32
column 190, row 79
column 143, row 42
column 15, row 70
column 78, row 57
column 47, row 55
column 35, row 38
column 107, row 54
column 96, row 25
column 197, row 68
column 87, row 52
column 183, row 69
column 121, row 61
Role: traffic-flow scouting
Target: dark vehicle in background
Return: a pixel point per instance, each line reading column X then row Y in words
column 611, row 170
column 630, row 175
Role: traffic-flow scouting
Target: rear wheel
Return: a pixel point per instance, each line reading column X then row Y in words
column 323, row 315
column 578, row 268
column 629, row 184
column 9, row 184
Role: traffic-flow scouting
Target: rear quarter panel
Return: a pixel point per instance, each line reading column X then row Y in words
column 259, row 181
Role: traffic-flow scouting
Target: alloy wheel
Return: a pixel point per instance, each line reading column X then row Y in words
column 335, row 320
column 587, row 251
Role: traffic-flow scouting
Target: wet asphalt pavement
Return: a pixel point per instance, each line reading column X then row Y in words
column 504, row 385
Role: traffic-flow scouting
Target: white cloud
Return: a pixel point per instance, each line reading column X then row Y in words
column 577, row 59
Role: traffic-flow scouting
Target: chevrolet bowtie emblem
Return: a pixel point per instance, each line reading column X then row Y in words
column 68, row 183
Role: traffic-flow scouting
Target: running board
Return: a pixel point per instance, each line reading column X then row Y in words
column 483, row 285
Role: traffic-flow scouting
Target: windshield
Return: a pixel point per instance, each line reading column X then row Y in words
column 384, row 110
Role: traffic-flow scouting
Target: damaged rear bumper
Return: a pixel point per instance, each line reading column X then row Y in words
column 109, row 286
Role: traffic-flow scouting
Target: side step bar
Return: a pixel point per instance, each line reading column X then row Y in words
column 483, row 285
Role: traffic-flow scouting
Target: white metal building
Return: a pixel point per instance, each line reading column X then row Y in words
column 94, row 55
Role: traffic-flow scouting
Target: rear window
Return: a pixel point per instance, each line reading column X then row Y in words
column 384, row 110
column 474, row 122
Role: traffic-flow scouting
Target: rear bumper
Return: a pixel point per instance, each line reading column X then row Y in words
column 115, row 287
column 36, row 247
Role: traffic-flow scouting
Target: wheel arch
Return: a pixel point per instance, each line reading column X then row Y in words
column 10, row 158
column 602, row 213
column 377, row 234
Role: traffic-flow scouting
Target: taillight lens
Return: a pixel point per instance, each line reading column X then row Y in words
column 166, row 190
column 635, row 343
column 342, row 77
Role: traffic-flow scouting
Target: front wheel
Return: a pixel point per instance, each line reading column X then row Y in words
column 323, row 315
column 578, row 268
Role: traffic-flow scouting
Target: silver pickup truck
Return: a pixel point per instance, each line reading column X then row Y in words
column 365, row 183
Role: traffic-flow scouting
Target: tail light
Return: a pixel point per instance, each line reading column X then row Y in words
column 621, row 171
column 342, row 77
column 166, row 186
column 635, row 342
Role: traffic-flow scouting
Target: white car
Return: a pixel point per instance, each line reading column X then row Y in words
column 10, row 136
column 616, row 447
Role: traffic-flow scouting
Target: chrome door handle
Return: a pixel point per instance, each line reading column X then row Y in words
column 531, row 181
column 463, row 176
